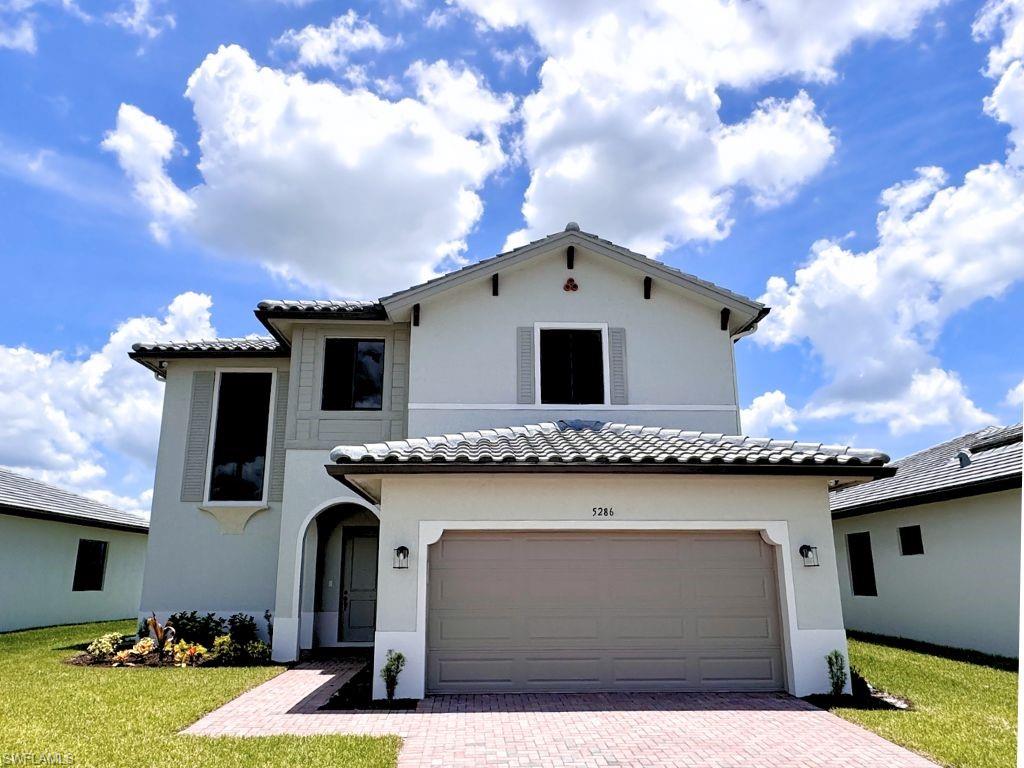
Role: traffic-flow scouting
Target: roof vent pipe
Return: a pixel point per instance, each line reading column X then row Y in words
column 964, row 457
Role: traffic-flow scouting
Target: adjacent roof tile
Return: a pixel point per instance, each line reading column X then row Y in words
column 361, row 310
column 257, row 344
column 994, row 455
column 600, row 443
column 23, row 495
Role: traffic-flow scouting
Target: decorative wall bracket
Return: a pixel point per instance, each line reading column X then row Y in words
column 232, row 518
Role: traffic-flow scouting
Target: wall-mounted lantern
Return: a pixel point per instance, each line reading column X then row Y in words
column 401, row 557
column 810, row 555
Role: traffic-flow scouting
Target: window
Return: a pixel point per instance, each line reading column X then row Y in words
column 910, row 540
column 353, row 375
column 89, row 566
column 571, row 366
column 240, row 437
column 862, row 565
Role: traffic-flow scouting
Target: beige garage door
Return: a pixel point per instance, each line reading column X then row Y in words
column 629, row 611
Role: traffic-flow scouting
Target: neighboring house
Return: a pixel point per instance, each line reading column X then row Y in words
column 575, row 554
column 933, row 553
column 65, row 559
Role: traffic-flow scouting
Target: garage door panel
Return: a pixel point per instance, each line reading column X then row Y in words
column 606, row 617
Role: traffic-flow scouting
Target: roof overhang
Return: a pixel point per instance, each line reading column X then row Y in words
column 280, row 321
column 157, row 361
column 56, row 517
column 365, row 478
column 951, row 493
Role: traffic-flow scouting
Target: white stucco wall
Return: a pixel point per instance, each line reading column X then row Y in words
column 962, row 592
column 464, row 350
column 793, row 510
column 37, row 569
column 191, row 564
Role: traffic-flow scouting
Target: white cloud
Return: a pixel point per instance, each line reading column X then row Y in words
column 62, row 416
column 624, row 133
column 143, row 146
column 874, row 317
column 18, row 35
column 438, row 18
column 1016, row 395
column 141, row 17
column 331, row 46
column 341, row 190
column 768, row 413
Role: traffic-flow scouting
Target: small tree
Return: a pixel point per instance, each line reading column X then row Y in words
column 836, row 671
column 394, row 663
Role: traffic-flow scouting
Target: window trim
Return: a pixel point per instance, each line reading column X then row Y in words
column 319, row 382
column 605, row 367
column 207, row 501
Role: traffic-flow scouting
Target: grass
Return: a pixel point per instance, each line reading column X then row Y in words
column 130, row 717
column 965, row 704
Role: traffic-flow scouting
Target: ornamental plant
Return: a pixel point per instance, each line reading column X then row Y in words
column 394, row 663
column 188, row 654
column 836, row 671
column 105, row 646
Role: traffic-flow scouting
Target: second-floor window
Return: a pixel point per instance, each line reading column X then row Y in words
column 240, row 436
column 353, row 375
column 572, row 366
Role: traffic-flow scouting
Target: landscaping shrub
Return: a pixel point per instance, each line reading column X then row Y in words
column 394, row 663
column 188, row 654
column 145, row 646
column 202, row 630
column 242, row 629
column 227, row 652
column 258, row 652
column 836, row 671
column 107, row 645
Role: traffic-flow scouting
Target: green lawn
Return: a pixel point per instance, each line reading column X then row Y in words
column 130, row 718
column 965, row 706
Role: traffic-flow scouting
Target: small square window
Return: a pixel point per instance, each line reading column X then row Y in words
column 353, row 375
column 90, row 565
column 571, row 366
column 910, row 540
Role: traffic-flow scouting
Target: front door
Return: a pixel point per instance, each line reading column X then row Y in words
column 359, row 586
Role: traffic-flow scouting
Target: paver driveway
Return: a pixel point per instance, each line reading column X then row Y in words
column 725, row 730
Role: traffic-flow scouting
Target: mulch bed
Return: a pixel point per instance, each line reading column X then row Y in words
column 864, row 696
column 357, row 694
column 149, row 660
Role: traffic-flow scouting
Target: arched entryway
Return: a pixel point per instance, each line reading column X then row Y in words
column 338, row 587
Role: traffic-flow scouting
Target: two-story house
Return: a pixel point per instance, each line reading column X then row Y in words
column 524, row 475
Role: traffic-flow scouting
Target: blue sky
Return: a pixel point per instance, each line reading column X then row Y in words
column 849, row 109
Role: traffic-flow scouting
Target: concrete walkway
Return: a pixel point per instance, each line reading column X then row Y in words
column 725, row 730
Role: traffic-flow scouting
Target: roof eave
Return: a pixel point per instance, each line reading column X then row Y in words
column 345, row 469
column 152, row 360
column 57, row 517
column 991, row 485
column 267, row 316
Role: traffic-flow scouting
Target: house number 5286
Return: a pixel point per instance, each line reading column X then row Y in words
column 603, row 512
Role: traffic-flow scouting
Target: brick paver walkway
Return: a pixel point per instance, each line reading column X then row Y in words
column 725, row 730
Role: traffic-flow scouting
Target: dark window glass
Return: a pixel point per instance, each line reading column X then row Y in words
column 353, row 375
column 240, row 438
column 571, row 366
column 910, row 540
column 90, row 565
column 862, row 565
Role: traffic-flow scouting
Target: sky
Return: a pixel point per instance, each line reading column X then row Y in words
column 164, row 166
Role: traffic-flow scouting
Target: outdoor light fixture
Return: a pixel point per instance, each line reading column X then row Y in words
column 810, row 555
column 401, row 557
